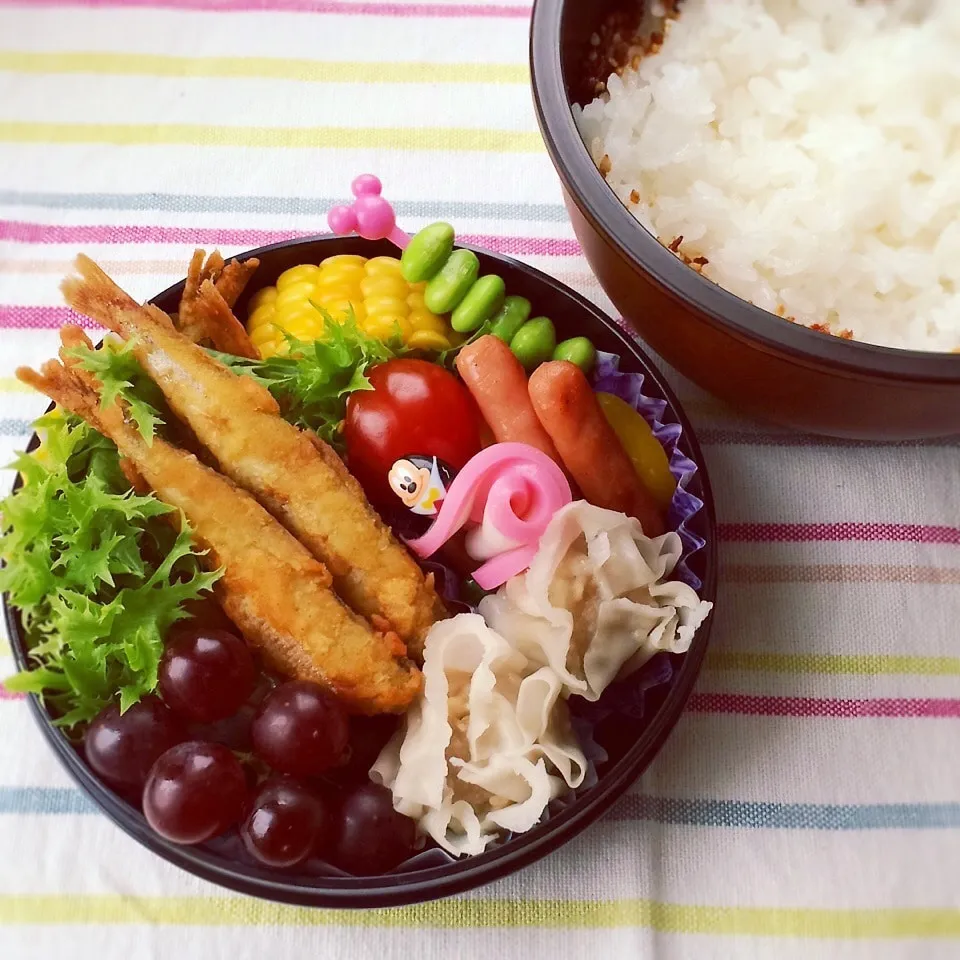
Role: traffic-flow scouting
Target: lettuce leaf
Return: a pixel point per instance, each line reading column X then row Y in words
column 121, row 376
column 312, row 380
column 97, row 572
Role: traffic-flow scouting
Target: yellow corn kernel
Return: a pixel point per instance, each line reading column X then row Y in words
column 346, row 279
column 266, row 295
column 304, row 328
column 385, row 306
column 295, row 313
column 425, row 320
column 338, row 309
column 384, row 285
column 427, row 340
column 261, row 315
column 303, row 273
column 343, row 260
column 383, row 266
column 415, row 300
column 386, row 326
column 264, row 334
column 297, row 293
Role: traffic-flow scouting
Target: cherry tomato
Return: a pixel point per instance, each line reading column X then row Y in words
column 415, row 407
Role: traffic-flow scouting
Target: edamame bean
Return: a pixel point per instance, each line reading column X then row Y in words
column 578, row 350
column 447, row 288
column 534, row 342
column 511, row 317
column 482, row 301
column 427, row 252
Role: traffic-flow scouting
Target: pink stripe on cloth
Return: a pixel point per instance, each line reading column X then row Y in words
column 840, row 531
column 41, row 318
column 6, row 694
column 19, row 231
column 338, row 7
column 806, row 707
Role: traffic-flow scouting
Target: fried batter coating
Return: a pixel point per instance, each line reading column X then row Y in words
column 297, row 477
column 210, row 290
column 272, row 588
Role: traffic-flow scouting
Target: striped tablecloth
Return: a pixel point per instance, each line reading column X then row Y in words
column 808, row 804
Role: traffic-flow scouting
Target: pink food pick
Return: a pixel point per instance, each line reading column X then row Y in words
column 511, row 490
column 370, row 215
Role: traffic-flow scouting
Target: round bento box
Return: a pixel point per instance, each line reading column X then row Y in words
column 630, row 743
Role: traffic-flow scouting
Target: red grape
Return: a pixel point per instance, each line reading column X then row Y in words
column 123, row 748
column 372, row 837
column 286, row 825
column 300, row 729
column 206, row 675
column 195, row 791
column 368, row 736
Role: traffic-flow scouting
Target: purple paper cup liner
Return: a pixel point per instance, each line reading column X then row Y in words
column 608, row 378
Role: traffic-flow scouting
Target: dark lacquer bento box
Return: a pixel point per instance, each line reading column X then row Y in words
column 621, row 733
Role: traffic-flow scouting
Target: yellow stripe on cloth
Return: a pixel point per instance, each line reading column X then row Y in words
column 13, row 385
column 461, row 914
column 261, row 68
column 450, row 139
column 867, row 664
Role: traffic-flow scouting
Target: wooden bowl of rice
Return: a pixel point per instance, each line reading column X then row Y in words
column 814, row 280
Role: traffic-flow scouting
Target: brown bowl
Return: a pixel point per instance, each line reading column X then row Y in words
column 764, row 366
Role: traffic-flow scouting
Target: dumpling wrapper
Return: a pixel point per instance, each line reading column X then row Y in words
column 595, row 603
column 472, row 759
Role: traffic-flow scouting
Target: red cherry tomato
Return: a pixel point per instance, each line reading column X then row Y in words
column 415, row 407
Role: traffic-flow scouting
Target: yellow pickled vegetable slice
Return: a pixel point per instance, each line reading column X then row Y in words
column 644, row 449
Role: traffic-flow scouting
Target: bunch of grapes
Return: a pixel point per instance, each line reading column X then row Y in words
column 227, row 747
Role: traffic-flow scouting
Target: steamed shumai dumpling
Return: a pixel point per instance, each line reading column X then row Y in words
column 596, row 600
column 487, row 745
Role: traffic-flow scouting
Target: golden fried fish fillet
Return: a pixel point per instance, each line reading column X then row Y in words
column 276, row 592
column 297, row 477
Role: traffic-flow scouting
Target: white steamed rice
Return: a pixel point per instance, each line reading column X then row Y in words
column 809, row 150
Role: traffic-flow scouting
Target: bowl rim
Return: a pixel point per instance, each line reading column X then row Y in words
column 611, row 220
column 416, row 886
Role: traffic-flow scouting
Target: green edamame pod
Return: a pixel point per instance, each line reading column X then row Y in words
column 511, row 317
column 448, row 287
column 482, row 301
column 427, row 252
column 534, row 342
column 578, row 350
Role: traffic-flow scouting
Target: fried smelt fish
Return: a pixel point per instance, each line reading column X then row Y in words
column 297, row 477
column 234, row 278
column 272, row 588
column 205, row 314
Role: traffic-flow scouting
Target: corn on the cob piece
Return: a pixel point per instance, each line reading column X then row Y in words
column 381, row 300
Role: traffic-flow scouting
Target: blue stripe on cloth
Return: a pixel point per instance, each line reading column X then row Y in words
column 15, row 428
column 44, row 800
column 787, row 816
column 307, row 206
column 694, row 813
